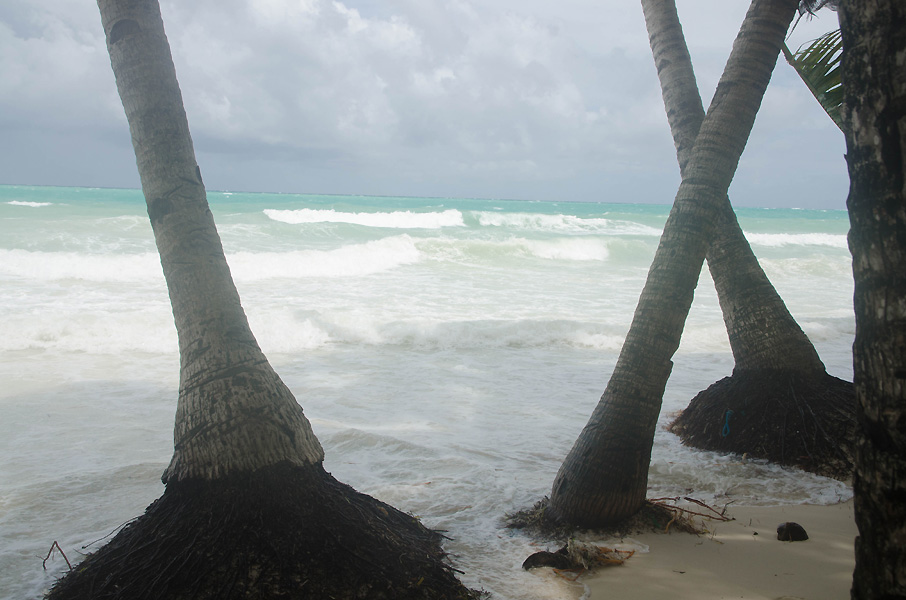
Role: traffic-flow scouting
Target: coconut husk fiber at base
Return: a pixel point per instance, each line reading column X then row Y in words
column 653, row 516
column 280, row 532
column 804, row 420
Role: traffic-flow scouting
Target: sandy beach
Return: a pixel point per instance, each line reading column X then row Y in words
column 740, row 559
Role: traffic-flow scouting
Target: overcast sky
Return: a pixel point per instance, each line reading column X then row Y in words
column 515, row 99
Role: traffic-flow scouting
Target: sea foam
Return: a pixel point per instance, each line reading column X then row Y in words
column 31, row 204
column 587, row 248
column 391, row 220
column 775, row 240
column 563, row 223
column 347, row 261
column 49, row 266
column 446, row 357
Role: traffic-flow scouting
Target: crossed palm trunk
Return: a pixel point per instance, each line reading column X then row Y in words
column 780, row 403
column 604, row 476
column 762, row 332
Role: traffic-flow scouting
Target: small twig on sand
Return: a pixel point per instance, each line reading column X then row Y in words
column 720, row 516
column 63, row 554
column 713, row 514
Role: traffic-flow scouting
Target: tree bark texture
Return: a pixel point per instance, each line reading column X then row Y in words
column 763, row 334
column 604, row 477
column 874, row 81
column 234, row 413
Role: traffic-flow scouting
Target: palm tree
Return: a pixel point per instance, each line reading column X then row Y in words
column 777, row 371
column 604, row 476
column 874, row 35
column 248, row 509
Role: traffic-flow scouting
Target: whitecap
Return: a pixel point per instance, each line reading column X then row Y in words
column 585, row 248
column 776, row 240
column 26, row 203
column 393, row 220
column 563, row 223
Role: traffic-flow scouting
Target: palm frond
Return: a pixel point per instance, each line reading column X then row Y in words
column 813, row 6
column 818, row 64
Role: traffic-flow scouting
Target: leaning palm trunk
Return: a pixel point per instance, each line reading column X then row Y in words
column 604, row 477
column 779, row 403
column 874, row 81
column 234, row 413
column 248, row 511
column 762, row 332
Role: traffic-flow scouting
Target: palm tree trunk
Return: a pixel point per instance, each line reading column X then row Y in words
column 777, row 368
column 604, row 476
column 874, row 82
column 248, row 511
column 234, row 413
column 762, row 332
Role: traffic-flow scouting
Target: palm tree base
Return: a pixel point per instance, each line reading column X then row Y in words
column 804, row 420
column 651, row 518
column 280, row 532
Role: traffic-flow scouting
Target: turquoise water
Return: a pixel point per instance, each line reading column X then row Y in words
column 447, row 351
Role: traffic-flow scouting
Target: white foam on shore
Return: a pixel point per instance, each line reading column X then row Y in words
column 447, row 359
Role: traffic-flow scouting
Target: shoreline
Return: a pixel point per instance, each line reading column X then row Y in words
column 741, row 558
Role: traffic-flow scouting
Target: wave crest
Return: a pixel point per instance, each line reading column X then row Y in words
column 391, row 220
column 777, row 240
column 27, row 203
column 563, row 223
column 347, row 261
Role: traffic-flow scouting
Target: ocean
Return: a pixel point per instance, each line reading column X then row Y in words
column 447, row 352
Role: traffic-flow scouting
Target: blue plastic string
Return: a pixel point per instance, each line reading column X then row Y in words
column 726, row 430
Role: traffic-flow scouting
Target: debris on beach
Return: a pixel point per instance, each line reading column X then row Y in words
column 659, row 515
column 591, row 556
column 684, row 517
column 557, row 560
column 578, row 557
column 791, row 532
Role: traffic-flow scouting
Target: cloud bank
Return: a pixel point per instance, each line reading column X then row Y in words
column 449, row 98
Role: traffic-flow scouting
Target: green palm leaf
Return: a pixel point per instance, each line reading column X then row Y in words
column 818, row 64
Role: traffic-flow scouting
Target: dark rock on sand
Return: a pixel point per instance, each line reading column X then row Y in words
column 558, row 560
column 791, row 532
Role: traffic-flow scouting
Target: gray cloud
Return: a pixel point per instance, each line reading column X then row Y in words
column 448, row 98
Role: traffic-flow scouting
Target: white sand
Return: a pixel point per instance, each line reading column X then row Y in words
column 734, row 562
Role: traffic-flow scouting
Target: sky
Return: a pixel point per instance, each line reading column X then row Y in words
column 506, row 99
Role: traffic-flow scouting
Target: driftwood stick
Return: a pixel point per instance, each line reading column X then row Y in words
column 714, row 514
column 720, row 516
column 49, row 552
